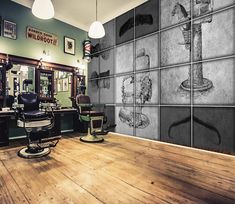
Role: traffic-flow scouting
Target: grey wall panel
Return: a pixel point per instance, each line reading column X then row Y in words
column 147, row 18
column 147, row 122
column 125, row 27
column 221, row 74
column 172, row 80
column 146, row 88
column 106, row 87
column 107, row 62
column 214, row 129
column 93, row 92
column 217, row 39
column 175, row 47
column 124, row 58
column 109, row 39
column 124, row 89
column 199, row 10
column 93, row 67
column 171, row 15
column 124, row 118
column 147, row 52
column 176, row 125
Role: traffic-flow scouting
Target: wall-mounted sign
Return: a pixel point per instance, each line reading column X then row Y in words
column 41, row 36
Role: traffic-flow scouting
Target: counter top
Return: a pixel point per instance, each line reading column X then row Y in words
column 64, row 110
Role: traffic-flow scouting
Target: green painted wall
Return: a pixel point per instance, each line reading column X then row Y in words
column 24, row 47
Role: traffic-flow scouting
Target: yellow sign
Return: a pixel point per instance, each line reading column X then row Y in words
column 41, row 36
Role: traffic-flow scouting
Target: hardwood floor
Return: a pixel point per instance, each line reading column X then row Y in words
column 120, row 170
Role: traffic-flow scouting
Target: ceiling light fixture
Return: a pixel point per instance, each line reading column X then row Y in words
column 96, row 30
column 43, row 9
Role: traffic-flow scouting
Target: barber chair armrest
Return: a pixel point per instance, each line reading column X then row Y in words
column 99, row 105
column 85, row 105
column 18, row 108
column 47, row 106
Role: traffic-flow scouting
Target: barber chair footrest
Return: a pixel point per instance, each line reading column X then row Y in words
column 30, row 153
column 92, row 138
column 51, row 139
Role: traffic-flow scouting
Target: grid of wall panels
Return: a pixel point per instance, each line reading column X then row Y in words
column 166, row 70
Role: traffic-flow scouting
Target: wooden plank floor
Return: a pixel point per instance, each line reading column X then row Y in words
column 120, row 170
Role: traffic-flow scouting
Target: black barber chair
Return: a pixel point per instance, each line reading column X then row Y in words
column 95, row 119
column 37, row 119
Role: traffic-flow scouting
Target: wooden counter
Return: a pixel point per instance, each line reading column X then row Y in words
column 120, row 170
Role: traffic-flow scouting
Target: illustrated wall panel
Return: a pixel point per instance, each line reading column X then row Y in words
column 93, row 69
column 213, row 38
column 175, row 85
column 176, row 125
column 147, row 122
column 214, row 6
column 93, row 91
column 146, row 88
column 109, row 39
column 175, row 11
column 107, row 63
column 147, row 54
column 147, row 18
column 124, row 89
column 214, row 129
column 110, row 114
column 217, row 84
column 106, row 88
column 175, row 46
column 124, row 119
column 124, row 57
column 125, row 27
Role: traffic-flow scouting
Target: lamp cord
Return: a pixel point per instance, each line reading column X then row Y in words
column 96, row 11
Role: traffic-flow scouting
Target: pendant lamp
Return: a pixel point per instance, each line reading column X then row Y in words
column 96, row 30
column 43, row 9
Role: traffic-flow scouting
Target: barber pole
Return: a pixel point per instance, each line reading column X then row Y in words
column 87, row 50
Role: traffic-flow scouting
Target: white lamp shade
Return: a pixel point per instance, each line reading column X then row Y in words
column 96, row 30
column 43, row 9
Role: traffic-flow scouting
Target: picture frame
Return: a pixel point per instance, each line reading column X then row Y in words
column 69, row 45
column 9, row 29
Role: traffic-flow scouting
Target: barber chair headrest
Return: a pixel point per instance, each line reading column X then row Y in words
column 83, row 99
column 30, row 101
column 28, row 81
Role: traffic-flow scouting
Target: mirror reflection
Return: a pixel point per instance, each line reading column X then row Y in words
column 16, row 76
column 62, row 89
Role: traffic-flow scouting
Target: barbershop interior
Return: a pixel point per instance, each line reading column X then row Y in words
column 117, row 101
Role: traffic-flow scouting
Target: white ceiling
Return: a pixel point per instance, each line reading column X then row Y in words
column 81, row 13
